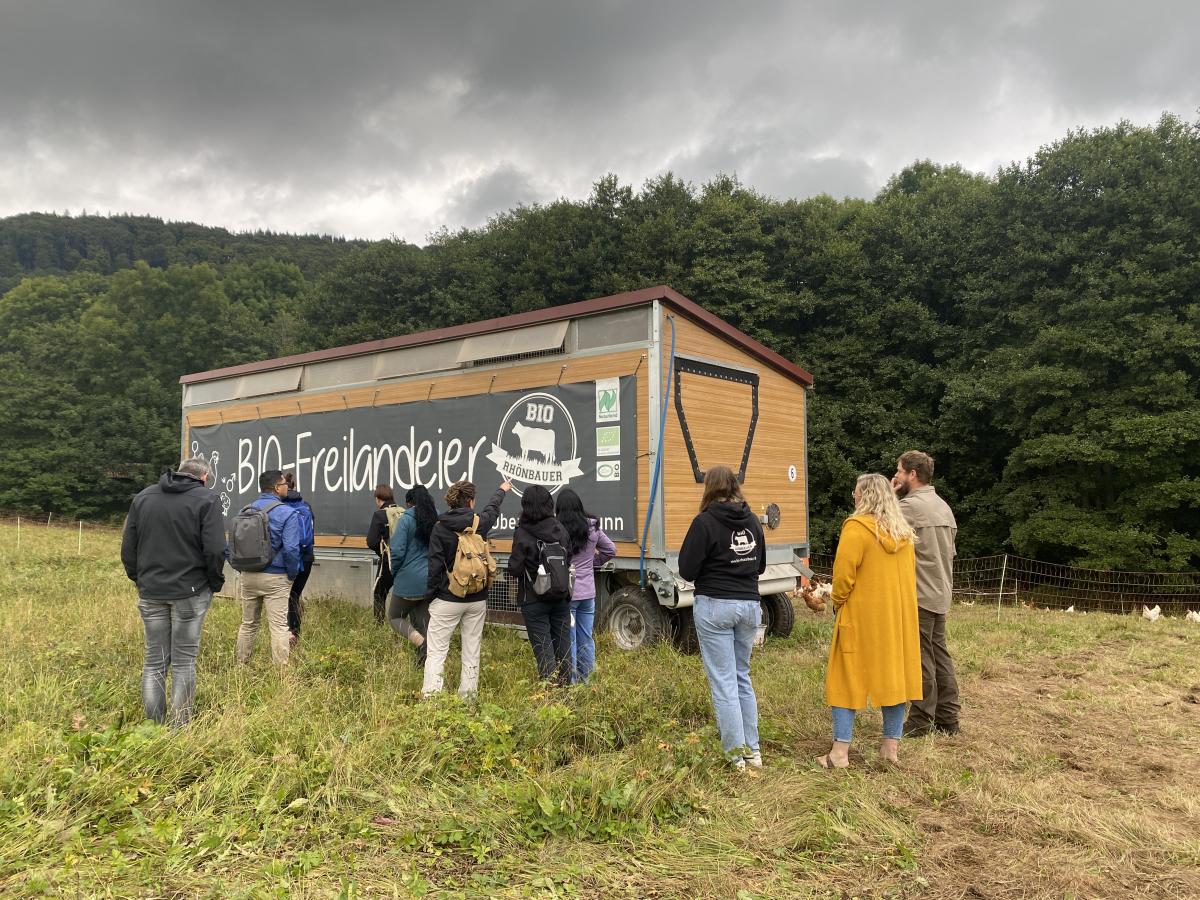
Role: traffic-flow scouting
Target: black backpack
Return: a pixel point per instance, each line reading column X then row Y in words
column 555, row 579
column 250, row 540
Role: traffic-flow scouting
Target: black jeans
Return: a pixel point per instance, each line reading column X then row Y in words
column 548, row 624
column 383, row 587
column 294, row 597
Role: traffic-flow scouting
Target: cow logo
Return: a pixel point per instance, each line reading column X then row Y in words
column 537, row 443
column 743, row 542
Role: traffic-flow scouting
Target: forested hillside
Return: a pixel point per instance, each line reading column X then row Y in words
column 1038, row 330
column 48, row 244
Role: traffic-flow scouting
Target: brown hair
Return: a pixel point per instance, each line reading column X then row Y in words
column 384, row 492
column 720, row 486
column 919, row 462
column 290, row 479
column 461, row 493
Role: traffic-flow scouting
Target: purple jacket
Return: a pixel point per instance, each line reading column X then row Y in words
column 598, row 550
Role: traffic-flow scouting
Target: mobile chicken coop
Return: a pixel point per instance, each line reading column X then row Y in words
column 627, row 399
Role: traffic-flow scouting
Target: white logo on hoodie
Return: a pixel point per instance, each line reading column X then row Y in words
column 743, row 542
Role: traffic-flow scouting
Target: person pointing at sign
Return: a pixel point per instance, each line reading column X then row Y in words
column 461, row 570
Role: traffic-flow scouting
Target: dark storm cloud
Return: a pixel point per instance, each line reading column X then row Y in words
column 384, row 118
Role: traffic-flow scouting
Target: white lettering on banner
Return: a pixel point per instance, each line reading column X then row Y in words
column 245, row 465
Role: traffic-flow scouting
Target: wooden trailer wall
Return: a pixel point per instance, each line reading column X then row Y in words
column 718, row 414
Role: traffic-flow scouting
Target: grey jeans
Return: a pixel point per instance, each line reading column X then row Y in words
column 172, row 642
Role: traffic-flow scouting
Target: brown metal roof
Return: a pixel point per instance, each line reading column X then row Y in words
column 675, row 300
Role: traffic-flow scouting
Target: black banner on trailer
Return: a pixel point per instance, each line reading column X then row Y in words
column 579, row 435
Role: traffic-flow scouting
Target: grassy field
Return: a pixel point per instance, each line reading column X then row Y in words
column 1077, row 773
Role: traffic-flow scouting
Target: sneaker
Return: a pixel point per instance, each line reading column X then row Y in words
column 422, row 653
column 754, row 760
column 949, row 730
column 739, row 764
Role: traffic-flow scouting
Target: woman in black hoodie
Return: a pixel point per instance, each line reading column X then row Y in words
column 722, row 555
column 547, row 615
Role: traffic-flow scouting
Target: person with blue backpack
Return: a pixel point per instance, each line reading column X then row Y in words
column 308, row 529
column 265, row 548
column 408, row 610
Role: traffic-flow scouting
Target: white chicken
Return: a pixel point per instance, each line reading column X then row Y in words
column 1193, row 616
column 1149, row 614
column 1071, row 608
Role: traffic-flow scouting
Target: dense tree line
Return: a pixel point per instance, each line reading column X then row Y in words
column 49, row 244
column 1038, row 330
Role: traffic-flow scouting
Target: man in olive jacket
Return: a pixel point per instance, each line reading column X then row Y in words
column 933, row 520
column 173, row 548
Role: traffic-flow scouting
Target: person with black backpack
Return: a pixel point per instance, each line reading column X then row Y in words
column 461, row 569
column 545, row 576
column 265, row 548
column 308, row 529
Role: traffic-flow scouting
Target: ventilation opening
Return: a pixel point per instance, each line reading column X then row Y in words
column 515, row 357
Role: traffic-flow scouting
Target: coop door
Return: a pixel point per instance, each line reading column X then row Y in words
column 718, row 409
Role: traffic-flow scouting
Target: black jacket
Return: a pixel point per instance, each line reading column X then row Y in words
column 174, row 540
column 724, row 552
column 378, row 530
column 523, row 560
column 443, row 544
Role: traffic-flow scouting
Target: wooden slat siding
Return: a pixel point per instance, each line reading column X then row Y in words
column 718, row 415
column 515, row 378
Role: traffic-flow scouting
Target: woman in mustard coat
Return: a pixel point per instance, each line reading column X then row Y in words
column 875, row 655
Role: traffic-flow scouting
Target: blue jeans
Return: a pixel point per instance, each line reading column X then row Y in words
column 843, row 722
column 726, row 629
column 583, row 646
column 172, row 641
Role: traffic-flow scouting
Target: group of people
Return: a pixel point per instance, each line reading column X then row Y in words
column 891, row 591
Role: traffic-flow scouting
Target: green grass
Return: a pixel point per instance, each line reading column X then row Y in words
column 1075, row 776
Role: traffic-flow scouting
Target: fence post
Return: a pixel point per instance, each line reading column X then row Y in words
column 1000, row 593
column 79, row 547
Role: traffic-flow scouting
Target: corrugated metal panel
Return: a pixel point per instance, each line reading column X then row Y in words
column 259, row 384
column 410, row 361
column 626, row 326
column 549, row 336
column 338, row 372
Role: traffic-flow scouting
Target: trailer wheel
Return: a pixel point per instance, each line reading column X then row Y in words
column 636, row 619
column 778, row 614
column 683, row 631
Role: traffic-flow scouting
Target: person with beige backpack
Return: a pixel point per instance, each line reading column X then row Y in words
column 461, row 570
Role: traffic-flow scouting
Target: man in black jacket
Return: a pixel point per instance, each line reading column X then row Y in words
column 446, row 611
column 173, row 548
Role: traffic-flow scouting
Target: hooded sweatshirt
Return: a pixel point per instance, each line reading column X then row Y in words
column 174, row 541
column 724, row 552
column 523, row 560
column 598, row 550
column 443, row 544
column 307, row 526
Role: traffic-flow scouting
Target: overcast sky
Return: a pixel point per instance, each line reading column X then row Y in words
column 395, row 119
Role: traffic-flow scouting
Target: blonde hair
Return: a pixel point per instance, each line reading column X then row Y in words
column 877, row 499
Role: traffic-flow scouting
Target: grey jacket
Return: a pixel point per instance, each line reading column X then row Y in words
column 933, row 521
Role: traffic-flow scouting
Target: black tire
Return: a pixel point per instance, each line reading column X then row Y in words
column 683, row 632
column 778, row 614
column 635, row 619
